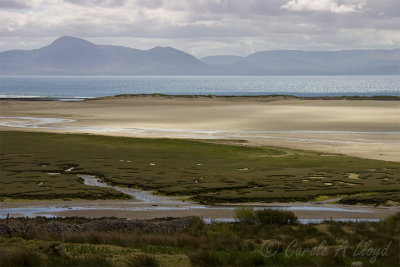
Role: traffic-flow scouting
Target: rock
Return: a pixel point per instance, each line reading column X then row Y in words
column 57, row 249
column 59, row 227
column 5, row 230
column 357, row 264
column 24, row 229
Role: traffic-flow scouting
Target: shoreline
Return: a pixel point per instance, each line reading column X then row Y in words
column 140, row 210
column 327, row 126
column 212, row 96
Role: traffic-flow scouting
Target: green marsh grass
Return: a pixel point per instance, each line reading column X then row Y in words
column 34, row 166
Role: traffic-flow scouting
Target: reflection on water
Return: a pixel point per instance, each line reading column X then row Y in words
column 305, row 221
column 302, row 221
column 311, row 208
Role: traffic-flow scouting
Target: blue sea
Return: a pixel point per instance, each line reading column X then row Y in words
column 97, row 86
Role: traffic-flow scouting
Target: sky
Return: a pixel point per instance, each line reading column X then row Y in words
column 204, row 27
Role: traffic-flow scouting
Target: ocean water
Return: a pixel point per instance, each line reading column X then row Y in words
column 97, row 86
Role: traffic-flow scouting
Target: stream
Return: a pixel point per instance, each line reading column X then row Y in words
column 143, row 196
column 146, row 201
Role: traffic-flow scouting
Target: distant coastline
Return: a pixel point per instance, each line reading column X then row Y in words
column 74, row 56
column 247, row 97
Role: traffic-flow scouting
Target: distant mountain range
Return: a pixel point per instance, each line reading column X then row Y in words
column 74, row 56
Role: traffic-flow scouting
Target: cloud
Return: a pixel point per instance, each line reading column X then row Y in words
column 19, row 4
column 321, row 5
column 206, row 27
column 107, row 3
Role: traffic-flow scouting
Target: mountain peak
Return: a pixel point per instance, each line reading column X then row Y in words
column 70, row 41
column 164, row 52
column 163, row 48
column 70, row 55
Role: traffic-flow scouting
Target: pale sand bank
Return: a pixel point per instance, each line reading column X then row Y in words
column 362, row 128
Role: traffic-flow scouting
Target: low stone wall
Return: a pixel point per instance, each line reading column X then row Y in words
column 24, row 226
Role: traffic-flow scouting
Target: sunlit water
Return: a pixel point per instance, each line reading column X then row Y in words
column 97, row 86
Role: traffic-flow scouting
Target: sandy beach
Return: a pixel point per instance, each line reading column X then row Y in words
column 361, row 128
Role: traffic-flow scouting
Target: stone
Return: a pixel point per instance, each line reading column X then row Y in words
column 5, row 230
column 58, row 249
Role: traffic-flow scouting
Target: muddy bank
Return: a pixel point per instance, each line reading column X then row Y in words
column 141, row 210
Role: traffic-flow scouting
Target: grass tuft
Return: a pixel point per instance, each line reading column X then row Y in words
column 143, row 260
